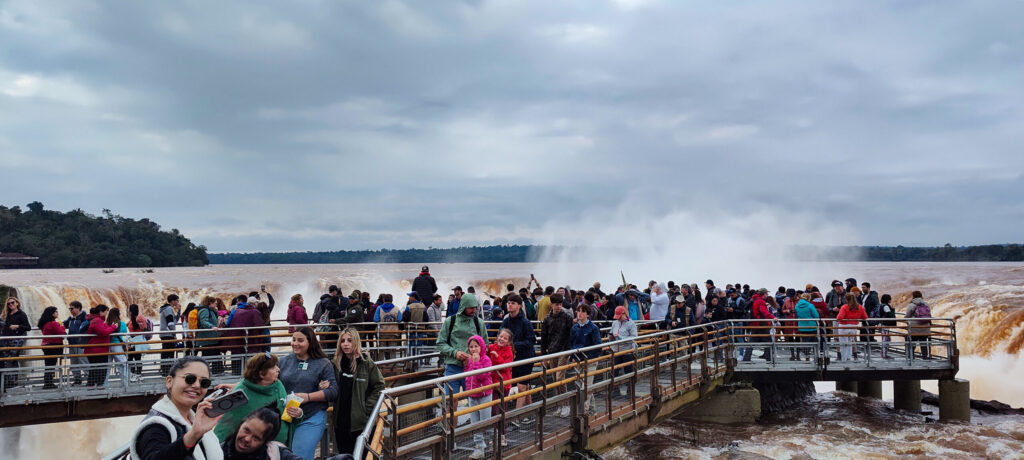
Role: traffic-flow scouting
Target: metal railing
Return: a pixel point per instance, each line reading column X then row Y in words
column 594, row 385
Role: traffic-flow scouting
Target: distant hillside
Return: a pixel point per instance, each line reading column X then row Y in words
column 77, row 240
column 529, row 253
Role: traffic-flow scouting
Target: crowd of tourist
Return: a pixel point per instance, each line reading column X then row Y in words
column 328, row 366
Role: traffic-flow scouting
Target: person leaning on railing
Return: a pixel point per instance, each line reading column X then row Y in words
column 920, row 329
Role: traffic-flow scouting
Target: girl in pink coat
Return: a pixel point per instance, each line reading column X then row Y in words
column 478, row 360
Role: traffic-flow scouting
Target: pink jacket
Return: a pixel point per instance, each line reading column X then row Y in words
column 479, row 380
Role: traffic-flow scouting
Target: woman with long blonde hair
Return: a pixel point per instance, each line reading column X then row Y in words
column 359, row 385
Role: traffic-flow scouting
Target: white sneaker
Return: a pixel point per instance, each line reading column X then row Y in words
column 564, row 411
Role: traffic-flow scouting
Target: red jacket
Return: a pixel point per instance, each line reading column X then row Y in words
column 53, row 328
column 501, row 355
column 849, row 318
column 296, row 315
column 99, row 327
column 759, row 310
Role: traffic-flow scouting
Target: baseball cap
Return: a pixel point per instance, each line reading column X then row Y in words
column 620, row 311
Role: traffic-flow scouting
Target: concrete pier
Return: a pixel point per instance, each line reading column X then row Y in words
column 955, row 400
column 869, row 389
column 849, row 386
column 906, row 395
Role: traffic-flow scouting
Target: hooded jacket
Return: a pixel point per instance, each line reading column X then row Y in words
column 244, row 317
column 586, row 335
column 523, row 338
column 759, row 310
column 480, row 380
column 161, row 435
column 167, row 322
column 457, row 329
column 501, row 355
column 555, row 332
column 101, row 330
column 207, row 318
column 296, row 315
column 805, row 310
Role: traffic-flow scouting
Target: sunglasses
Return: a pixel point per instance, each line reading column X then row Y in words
column 204, row 383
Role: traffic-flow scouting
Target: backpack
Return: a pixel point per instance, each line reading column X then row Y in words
column 149, row 328
column 922, row 310
column 389, row 316
column 450, row 324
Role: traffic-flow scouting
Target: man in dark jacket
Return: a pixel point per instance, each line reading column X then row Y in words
column 77, row 323
column 168, row 321
column 556, row 336
column 424, row 285
column 868, row 300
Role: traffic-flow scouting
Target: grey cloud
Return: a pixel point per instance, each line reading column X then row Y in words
column 330, row 125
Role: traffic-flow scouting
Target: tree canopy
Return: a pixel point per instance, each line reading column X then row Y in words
column 76, row 239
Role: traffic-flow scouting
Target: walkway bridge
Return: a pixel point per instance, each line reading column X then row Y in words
column 575, row 405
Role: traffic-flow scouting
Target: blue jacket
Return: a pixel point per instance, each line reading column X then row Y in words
column 386, row 309
column 453, row 308
column 805, row 310
column 585, row 336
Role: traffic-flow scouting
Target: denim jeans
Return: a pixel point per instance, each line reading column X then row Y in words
column 457, row 385
column 308, row 433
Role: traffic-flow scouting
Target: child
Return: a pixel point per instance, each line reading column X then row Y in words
column 501, row 352
column 478, row 360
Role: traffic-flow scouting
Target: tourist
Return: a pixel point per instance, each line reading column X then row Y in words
column 387, row 317
column 659, row 305
column 713, row 313
column 14, row 326
column 760, row 329
column 118, row 359
column 544, row 303
column 351, row 315
column 168, row 319
column 302, row 371
column 424, row 285
column 415, row 315
column 241, row 324
column 453, row 338
column 263, row 338
column 586, row 334
column 254, row 438
column 807, row 327
column 682, row 313
column 850, row 318
column 886, row 314
column 77, row 324
column 478, row 359
column 100, row 330
column 835, row 298
column 138, row 326
column 455, row 302
column 623, row 328
column 789, row 328
column 919, row 329
column 360, row 383
column 208, row 333
column 556, row 337
column 329, row 313
column 172, row 430
column 869, row 300
column 296, row 313
column 50, row 325
column 434, row 310
column 501, row 352
column 523, row 342
column 261, row 384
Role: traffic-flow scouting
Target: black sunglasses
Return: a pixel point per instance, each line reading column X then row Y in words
column 204, row 383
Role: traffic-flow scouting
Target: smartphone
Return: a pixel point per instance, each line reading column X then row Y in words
column 226, row 402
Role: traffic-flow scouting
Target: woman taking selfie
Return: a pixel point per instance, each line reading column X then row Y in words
column 172, row 430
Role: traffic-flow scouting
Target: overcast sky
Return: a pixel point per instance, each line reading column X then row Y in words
column 270, row 126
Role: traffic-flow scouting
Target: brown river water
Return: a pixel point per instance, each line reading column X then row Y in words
column 987, row 299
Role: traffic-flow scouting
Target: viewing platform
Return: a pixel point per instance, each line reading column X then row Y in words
column 583, row 406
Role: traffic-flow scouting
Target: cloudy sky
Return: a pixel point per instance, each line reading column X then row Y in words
column 348, row 124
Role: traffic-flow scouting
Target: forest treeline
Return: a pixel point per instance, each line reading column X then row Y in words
column 530, row 253
column 76, row 239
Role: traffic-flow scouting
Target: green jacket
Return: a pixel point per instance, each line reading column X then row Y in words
column 259, row 396
column 366, row 387
column 207, row 320
column 456, row 331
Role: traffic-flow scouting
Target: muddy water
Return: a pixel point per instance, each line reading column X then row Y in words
column 832, row 425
